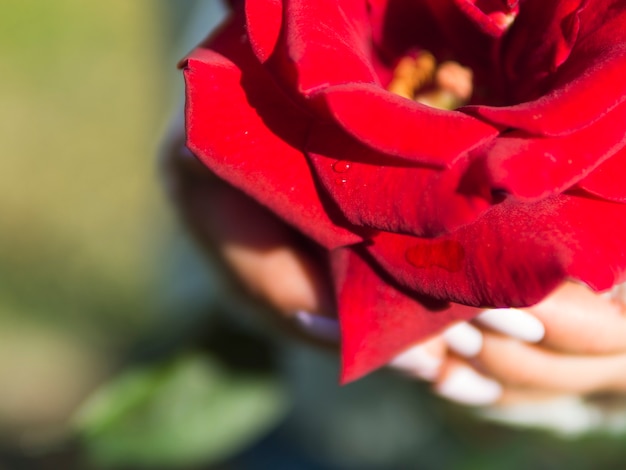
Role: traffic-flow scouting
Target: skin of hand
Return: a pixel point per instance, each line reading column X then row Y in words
column 581, row 348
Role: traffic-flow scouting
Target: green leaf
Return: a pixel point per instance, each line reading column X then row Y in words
column 187, row 411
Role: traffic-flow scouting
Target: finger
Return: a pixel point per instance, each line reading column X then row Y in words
column 565, row 414
column 422, row 361
column 460, row 382
column 463, row 339
column 322, row 328
column 271, row 260
column 265, row 254
column 525, row 396
column 521, row 365
column 580, row 321
column 512, row 322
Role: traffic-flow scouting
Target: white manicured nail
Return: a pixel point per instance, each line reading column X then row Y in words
column 322, row 328
column 616, row 294
column 417, row 361
column 464, row 339
column 466, row 386
column 608, row 295
column 515, row 323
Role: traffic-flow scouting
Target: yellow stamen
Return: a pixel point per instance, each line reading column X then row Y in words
column 412, row 74
column 447, row 86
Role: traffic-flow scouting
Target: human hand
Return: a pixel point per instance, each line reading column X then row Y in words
column 574, row 342
column 582, row 350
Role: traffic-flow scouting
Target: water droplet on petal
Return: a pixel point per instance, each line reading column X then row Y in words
column 341, row 166
column 340, row 181
column 444, row 254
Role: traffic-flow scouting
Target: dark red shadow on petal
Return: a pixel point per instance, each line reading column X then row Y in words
column 585, row 87
column 401, row 25
column 539, row 42
column 435, row 25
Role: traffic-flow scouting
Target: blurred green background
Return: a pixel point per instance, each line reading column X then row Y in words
column 105, row 360
column 88, row 244
column 85, row 92
column 102, row 361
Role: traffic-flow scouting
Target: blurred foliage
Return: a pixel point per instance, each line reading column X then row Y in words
column 86, row 91
column 92, row 273
column 83, row 105
column 185, row 411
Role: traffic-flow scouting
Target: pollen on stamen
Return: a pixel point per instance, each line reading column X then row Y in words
column 453, row 87
column 412, row 74
column 448, row 85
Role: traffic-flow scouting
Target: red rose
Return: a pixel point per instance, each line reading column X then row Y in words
column 316, row 109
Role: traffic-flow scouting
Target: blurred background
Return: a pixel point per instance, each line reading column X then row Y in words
column 86, row 87
column 117, row 346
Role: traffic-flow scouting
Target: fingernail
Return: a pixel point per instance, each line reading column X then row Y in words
column 466, row 386
column 322, row 328
column 608, row 295
column 464, row 339
column 184, row 152
column 616, row 294
column 515, row 323
column 417, row 361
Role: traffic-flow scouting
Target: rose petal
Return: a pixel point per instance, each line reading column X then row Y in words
column 585, row 88
column 378, row 321
column 402, row 25
column 533, row 168
column 403, row 128
column 384, row 193
column 434, row 25
column 604, row 181
column 326, row 42
column 489, row 15
column 515, row 254
column 548, row 28
column 252, row 138
column 264, row 19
